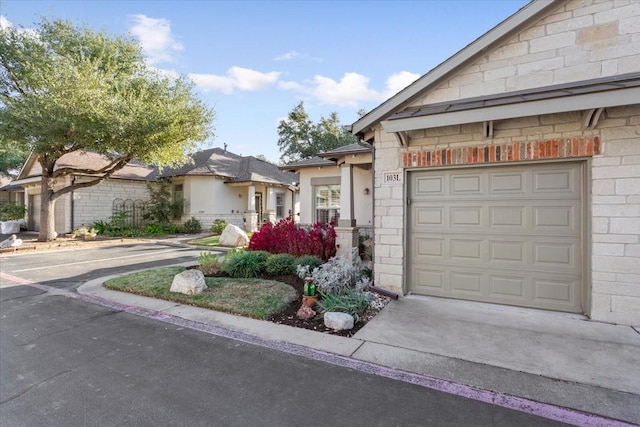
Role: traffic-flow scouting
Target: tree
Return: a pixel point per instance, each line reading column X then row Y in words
column 66, row 88
column 299, row 138
column 12, row 156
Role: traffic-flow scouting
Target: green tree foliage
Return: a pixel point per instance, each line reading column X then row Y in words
column 68, row 88
column 300, row 138
column 12, row 157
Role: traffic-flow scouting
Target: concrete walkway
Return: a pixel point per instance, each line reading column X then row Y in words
column 504, row 352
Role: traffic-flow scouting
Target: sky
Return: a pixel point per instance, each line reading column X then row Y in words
column 253, row 61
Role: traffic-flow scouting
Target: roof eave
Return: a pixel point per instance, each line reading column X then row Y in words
column 528, row 13
column 620, row 97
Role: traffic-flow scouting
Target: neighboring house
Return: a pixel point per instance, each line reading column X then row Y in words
column 9, row 191
column 336, row 186
column 510, row 173
column 244, row 191
column 126, row 189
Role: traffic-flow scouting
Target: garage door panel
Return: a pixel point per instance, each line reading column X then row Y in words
column 429, row 186
column 507, row 183
column 506, row 235
column 465, row 216
column 507, row 216
column 510, row 287
column 429, row 247
column 467, row 184
column 466, row 249
column 429, row 280
column 429, row 216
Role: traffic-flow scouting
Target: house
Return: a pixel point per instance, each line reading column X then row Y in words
column 242, row 190
column 510, row 173
column 336, row 186
column 126, row 189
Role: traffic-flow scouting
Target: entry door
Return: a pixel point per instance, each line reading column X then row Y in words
column 259, row 209
column 509, row 235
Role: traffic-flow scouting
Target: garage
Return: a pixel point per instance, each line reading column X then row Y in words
column 507, row 235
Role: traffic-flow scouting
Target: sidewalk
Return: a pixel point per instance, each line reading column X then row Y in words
column 548, row 358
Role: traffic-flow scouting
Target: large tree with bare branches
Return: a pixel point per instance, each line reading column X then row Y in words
column 65, row 88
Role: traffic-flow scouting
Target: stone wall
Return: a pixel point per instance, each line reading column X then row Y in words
column 613, row 148
column 580, row 40
column 96, row 203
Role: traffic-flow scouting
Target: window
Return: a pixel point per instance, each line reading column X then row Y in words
column 327, row 199
column 279, row 205
column 178, row 201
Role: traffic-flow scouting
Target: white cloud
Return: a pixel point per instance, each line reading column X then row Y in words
column 236, row 78
column 155, row 37
column 292, row 54
column 398, row 81
column 351, row 90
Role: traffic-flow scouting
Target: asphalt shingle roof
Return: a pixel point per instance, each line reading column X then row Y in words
column 235, row 168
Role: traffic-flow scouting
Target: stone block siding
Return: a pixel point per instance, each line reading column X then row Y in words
column 581, row 40
column 615, row 199
column 615, row 210
column 96, row 203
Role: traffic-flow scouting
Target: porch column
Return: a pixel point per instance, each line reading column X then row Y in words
column 346, row 231
column 251, row 216
column 271, row 204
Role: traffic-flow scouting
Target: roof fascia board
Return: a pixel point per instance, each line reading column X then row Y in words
column 615, row 98
column 529, row 12
column 24, row 181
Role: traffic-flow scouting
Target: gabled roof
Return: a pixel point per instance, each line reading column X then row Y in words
column 233, row 168
column 310, row 162
column 357, row 148
column 602, row 92
column 329, row 158
column 529, row 13
column 94, row 161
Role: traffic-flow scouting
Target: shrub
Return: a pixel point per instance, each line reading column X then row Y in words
column 338, row 274
column 11, row 211
column 209, row 263
column 160, row 208
column 281, row 264
column 348, row 301
column 286, row 237
column 243, row 264
column 218, row 226
column 310, row 261
column 192, row 226
column 152, row 230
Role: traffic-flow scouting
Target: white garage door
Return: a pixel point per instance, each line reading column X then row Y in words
column 508, row 235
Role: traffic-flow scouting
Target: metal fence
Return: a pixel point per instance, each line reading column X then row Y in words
column 131, row 210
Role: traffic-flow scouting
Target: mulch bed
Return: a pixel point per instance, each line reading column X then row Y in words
column 288, row 316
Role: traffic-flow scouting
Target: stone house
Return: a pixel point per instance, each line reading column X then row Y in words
column 337, row 186
column 126, row 188
column 510, row 173
column 242, row 190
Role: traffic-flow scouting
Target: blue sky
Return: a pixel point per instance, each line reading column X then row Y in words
column 253, row 61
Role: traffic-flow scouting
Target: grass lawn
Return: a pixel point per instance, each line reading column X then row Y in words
column 255, row 298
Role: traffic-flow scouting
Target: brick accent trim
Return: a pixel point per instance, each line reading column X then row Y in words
column 517, row 151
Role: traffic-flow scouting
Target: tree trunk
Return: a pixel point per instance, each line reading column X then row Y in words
column 47, row 231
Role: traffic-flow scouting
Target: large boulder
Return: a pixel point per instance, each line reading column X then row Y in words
column 338, row 321
column 233, row 236
column 189, row 282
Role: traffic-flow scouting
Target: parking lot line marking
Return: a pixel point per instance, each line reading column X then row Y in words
column 96, row 260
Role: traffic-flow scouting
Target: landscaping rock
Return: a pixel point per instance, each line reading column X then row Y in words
column 189, row 282
column 233, row 236
column 338, row 321
column 305, row 313
column 11, row 242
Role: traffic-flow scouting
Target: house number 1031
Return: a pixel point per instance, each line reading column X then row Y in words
column 392, row 177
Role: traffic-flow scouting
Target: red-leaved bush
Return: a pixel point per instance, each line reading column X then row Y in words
column 286, row 237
